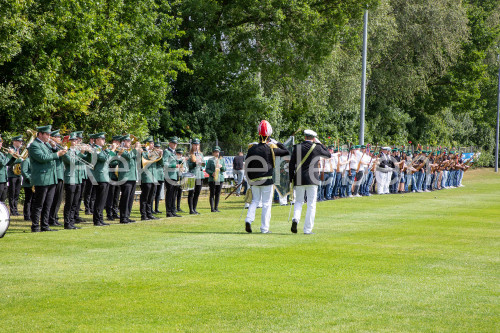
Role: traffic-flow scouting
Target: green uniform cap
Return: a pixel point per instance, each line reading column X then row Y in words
column 17, row 138
column 126, row 137
column 215, row 148
column 44, row 129
column 149, row 139
column 179, row 150
column 100, row 135
column 116, row 138
column 79, row 134
column 55, row 134
column 363, row 146
column 357, row 146
column 173, row 139
column 195, row 141
column 157, row 144
column 352, row 147
column 72, row 136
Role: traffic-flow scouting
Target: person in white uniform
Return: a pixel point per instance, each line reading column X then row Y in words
column 384, row 171
column 304, row 175
column 259, row 167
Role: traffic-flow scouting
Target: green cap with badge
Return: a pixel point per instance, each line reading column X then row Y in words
column 17, row 138
column 173, row 139
column 215, row 148
column 195, row 141
column 44, row 129
column 55, row 134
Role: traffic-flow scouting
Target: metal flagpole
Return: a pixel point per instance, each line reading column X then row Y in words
column 363, row 82
column 498, row 116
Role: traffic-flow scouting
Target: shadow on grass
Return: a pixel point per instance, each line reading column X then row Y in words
column 224, row 233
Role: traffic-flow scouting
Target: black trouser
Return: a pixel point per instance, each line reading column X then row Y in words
column 146, row 200
column 193, row 196
column 56, row 203
column 357, row 183
column 112, row 201
column 71, row 199
column 101, row 191
column 14, row 189
column 89, row 195
column 158, row 195
column 28, row 197
column 179, row 198
column 215, row 189
column 40, row 207
column 126, row 200
column 170, row 195
column 2, row 189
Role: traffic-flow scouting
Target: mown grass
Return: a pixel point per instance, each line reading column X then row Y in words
column 417, row 262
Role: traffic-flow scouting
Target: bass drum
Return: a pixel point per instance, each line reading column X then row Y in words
column 4, row 219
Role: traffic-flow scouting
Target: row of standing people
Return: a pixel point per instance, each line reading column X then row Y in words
column 104, row 177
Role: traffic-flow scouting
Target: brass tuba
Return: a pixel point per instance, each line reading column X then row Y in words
column 153, row 157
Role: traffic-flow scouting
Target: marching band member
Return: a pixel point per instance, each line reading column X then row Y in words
column 100, row 157
column 148, row 180
column 4, row 160
column 196, row 165
column 73, row 177
column 43, row 178
column 160, row 177
column 128, row 176
column 89, row 194
column 305, row 177
column 216, row 167
column 27, row 188
column 172, row 166
column 14, row 179
column 113, row 199
column 55, row 138
column 83, row 170
column 182, row 169
column 259, row 167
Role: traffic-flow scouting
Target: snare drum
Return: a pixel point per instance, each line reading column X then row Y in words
column 188, row 181
column 4, row 219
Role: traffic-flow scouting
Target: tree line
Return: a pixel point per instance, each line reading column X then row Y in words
column 215, row 68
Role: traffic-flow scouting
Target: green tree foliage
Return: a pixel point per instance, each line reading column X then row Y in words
column 87, row 65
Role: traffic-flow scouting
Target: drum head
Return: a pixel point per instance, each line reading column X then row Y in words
column 4, row 219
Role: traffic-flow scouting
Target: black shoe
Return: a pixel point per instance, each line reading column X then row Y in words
column 87, row 212
column 176, row 215
column 218, row 211
column 69, row 227
column 193, row 212
column 103, row 223
column 170, row 215
column 145, row 219
column 110, row 218
column 294, row 226
column 35, row 230
column 180, row 210
column 48, row 229
column 27, row 218
column 212, row 210
column 196, row 212
column 157, row 212
column 248, row 227
column 130, row 221
column 153, row 217
column 124, row 222
column 79, row 220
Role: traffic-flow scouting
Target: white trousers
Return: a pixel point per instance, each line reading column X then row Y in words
column 264, row 194
column 312, row 193
column 383, row 181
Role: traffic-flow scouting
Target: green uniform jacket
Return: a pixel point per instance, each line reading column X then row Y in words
column 170, row 164
column 101, row 166
column 43, row 164
column 159, row 173
column 4, row 159
column 12, row 162
column 148, row 175
column 73, row 171
column 196, row 169
column 26, row 172
column 211, row 169
column 131, row 173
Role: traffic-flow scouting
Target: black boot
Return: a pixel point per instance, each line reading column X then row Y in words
column 190, row 204
column 216, row 204
column 212, row 205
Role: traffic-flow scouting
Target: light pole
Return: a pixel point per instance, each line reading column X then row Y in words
column 363, row 82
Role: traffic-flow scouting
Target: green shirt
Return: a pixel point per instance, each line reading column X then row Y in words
column 211, row 166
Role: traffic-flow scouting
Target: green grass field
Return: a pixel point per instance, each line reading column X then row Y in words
column 416, row 262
